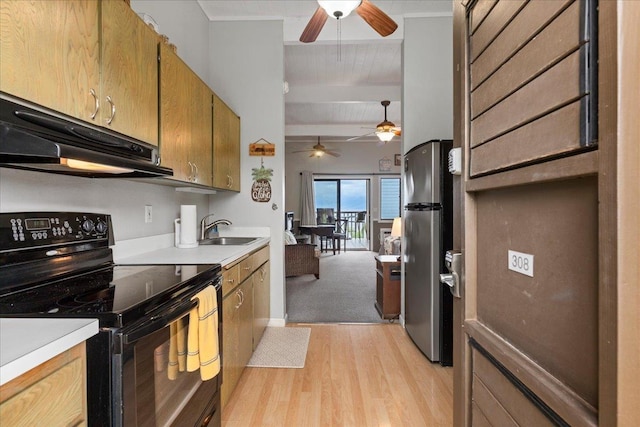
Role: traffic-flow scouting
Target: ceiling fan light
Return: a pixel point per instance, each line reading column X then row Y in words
column 339, row 9
column 385, row 136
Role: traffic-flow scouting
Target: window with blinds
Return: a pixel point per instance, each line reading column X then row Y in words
column 389, row 198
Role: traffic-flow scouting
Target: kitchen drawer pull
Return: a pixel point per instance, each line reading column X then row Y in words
column 97, row 103
column 246, row 268
column 113, row 110
column 195, row 175
column 231, row 280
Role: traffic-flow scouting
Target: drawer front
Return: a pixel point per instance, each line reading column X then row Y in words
column 247, row 266
column 261, row 256
column 230, row 278
column 532, row 77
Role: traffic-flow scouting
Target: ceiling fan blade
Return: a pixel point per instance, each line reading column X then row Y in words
column 303, row 151
column 376, row 18
column 361, row 136
column 331, row 153
column 313, row 28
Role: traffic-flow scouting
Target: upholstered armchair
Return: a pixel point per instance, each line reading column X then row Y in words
column 301, row 259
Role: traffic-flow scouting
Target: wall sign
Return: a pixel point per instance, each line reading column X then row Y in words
column 261, row 188
column 265, row 148
column 384, row 164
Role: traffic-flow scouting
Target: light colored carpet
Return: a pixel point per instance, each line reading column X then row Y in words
column 345, row 292
column 281, row 348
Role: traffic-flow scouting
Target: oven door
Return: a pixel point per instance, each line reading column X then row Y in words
column 154, row 390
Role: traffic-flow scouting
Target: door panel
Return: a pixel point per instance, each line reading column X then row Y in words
column 531, row 184
column 552, row 316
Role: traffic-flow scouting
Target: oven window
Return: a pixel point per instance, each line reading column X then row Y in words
column 165, row 393
column 173, row 385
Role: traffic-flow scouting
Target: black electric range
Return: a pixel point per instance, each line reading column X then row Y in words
column 59, row 264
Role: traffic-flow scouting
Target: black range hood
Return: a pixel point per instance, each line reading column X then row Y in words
column 33, row 139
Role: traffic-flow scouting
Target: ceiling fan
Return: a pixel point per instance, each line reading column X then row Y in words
column 385, row 130
column 376, row 18
column 318, row 150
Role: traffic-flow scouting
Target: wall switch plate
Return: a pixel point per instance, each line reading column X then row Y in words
column 148, row 213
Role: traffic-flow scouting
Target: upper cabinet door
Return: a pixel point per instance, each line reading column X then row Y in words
column 50, row 54
column 129, row 95
column 185, row 120
column 226, row 146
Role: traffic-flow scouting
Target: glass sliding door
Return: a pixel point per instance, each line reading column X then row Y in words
column 347, row 199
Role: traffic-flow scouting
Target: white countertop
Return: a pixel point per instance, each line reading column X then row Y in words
column 26, row 343
column 205, row 254
column 160, row 250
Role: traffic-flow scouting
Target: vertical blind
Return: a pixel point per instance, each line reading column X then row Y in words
column 389, row 198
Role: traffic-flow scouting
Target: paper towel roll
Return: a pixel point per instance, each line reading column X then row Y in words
column 188, row 226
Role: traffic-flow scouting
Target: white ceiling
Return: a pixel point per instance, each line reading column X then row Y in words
column 335, row 88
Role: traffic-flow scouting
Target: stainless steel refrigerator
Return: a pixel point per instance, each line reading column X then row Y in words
column 428, row 234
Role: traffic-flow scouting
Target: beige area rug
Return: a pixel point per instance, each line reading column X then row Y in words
column 281, row 347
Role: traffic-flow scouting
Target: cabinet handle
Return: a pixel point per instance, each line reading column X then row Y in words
column 229, row 181
column 239, row 299
column 190, row 177
column 113, row 110
column 263, row 273
column 97, row 103
column 246, row 268
column 195, row 175
column 230, row 280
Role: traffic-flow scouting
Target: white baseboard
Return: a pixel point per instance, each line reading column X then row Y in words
column 277, row 322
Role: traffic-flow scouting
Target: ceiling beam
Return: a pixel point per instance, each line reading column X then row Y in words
column 346, row 130
column 343, row 94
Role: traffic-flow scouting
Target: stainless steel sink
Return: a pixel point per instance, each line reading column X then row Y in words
column 228, row 240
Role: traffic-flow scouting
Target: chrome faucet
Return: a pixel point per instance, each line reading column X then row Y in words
column 204, row 228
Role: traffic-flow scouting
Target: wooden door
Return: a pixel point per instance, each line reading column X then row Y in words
column 261, row 303
column 175, row 101
column 201, row 147
column 538, row 224
column 129, row 95
column 49, row 54
column 231, row 368
column 226, row 146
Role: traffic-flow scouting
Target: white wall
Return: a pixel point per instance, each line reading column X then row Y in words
column 355, row 158
column 247, row 72
column 123, row 199
column 427, row 93
column 187, row 27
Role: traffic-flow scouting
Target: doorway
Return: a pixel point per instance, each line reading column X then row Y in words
column 349, row 199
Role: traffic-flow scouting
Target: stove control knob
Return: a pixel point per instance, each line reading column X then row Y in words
column 101, row 227
column 87, row 226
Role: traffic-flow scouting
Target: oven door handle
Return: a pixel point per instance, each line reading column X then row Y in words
column 157, row 322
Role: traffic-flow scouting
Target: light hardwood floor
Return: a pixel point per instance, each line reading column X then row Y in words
column 354, row 375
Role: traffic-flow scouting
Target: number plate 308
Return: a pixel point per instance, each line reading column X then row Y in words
column 521, row 263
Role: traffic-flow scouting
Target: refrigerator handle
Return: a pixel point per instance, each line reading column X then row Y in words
column 453, row 261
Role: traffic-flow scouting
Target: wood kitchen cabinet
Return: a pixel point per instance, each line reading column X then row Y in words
column 226, row 146
column 245, row 289
column 92, row 60
column 388, row 286
column 185, row 120
column 261, row 301
column 53, row 393
column 50, row 54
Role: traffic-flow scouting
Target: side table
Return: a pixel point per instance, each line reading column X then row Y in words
column 388, row 286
